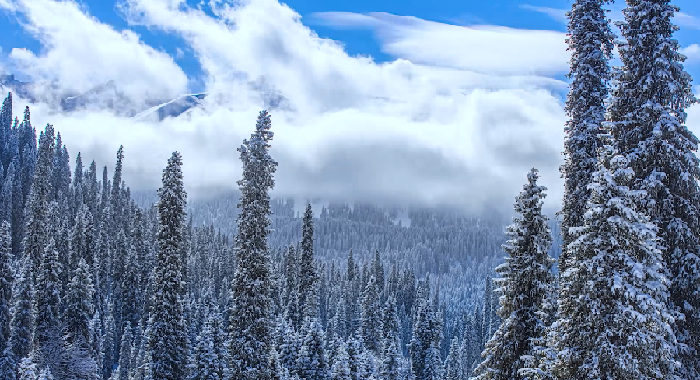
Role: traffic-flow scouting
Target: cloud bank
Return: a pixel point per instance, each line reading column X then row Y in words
column 457, row 119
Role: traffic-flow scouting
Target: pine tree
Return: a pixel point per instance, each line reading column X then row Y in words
column 47, row 332
column 80, row 359
column 290, row 294
column 389, row 368
column 5, row 128
column 167, row 338
column 250, row 316
column 7, row 359
column 341, row 367
column 125, row 359
column 378, row 271
column 424, row 351
column 209, row 354
column 453, row 364
column 312, row 363
column 307, row 272
column 6, row 282
column 647, row 115
column 37, row 227
column 288, row 346
column 590, row 41
column 613, row 321
column 523, row 286
column 23, row 313
column 491, row 320
column 354, row 350
column 8, row 190
column 370, row 322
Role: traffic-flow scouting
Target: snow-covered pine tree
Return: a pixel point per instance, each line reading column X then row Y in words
column 525, row 282
column 424, row 347
column 307, row 270
column 352, row 296
column 250, row 316
column 23, row 313
column 370, row 323
column 491, row 321
column 312, row 363
column 37, row 215
column 390, row 355
column 453, row 363
column 290, row 293
column 289, row 346
column 341, row 366
column 80, row 360
column 167, row 339
column 590, row 41
column 27, row 147
column 48, row 342
column 209, row 351
column 8, row 190
column 125, row 359
column 7, row 359
column 6, row 282
column 378, row 271
column 5, row 125
column 613, row 321
column 354, row 350
column 647, row 115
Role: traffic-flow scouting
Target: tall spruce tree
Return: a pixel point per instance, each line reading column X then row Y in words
column 23, row 313
column 454, row 362
column 48, row 342
column 613, row 321
column 250, row 316
column 167, row 339
column 590, row 41
column 307, row 272
column 424, row 347
column 370, row 324
column 7, row 277
column 648, row 118
column 37, row 226
column 390, row 355
column 80, row 361
column 6, row 282
column 523, row 286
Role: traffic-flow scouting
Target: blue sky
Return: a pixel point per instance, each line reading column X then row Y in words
column 359, row 39
column 440, row 102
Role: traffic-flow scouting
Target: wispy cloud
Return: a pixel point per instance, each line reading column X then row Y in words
column 485, row 49
column 555, row 13
column 687, row 21
column 692, row 52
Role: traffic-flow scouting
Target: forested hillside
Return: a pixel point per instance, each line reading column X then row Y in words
column 97, row 282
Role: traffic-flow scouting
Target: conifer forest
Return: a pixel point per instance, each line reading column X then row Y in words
column 101, row 283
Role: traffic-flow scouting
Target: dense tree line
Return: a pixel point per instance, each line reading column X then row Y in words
column 95, row 286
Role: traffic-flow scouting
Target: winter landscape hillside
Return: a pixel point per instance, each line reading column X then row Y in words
column 410, row 222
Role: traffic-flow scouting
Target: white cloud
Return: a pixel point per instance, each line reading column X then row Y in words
column 398, row 131
column 555, row 13
column 79, row 52
column 687, row 21
column 692, row 52
column 485, row 49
